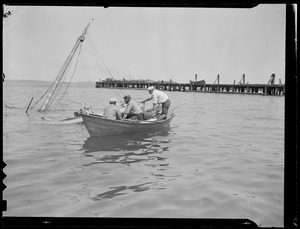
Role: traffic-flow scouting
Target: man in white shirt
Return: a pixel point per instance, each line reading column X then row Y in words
column 158, row 98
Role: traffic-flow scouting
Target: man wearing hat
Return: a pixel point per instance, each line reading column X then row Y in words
column 158, row 98
column 111, row 111
column 132, row 110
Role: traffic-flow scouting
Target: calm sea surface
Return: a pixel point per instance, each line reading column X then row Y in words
column 222, row 157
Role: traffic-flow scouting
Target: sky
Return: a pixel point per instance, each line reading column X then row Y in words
column 147, row 43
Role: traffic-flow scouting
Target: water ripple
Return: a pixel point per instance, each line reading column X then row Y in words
column 223, row 157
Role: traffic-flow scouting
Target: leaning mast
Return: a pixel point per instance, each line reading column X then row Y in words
column 65, row 67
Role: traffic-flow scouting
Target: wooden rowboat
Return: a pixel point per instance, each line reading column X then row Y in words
column 98, row 126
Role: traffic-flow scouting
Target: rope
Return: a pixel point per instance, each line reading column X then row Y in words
column 95, row 57
column 99, row 55
column 53, row 81
column 57, row 84
column 52, row 84
column 64, row 93
column 59, row 88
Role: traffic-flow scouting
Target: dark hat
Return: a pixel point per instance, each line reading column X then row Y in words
column 127, row 97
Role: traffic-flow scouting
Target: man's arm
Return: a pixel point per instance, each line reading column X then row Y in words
column 119, row 116
column 124, row 117
column 127, row 110
column 145, row 100
column 149, row 98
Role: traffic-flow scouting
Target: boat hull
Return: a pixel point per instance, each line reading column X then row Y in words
column 98, row 126
column 201, row 82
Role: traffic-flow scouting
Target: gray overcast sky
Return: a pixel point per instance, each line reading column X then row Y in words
column 148, row 43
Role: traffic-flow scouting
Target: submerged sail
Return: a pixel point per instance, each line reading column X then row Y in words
column 56, row 86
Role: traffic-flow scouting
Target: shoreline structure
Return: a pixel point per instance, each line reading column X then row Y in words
column 199, row 86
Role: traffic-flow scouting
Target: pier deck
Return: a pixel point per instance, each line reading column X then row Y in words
column 255, row 89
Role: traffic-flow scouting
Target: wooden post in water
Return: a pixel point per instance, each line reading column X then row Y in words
column 29, row 105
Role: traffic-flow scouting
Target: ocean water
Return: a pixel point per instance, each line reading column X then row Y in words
column 221, row 157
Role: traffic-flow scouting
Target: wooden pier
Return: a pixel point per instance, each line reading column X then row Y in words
column 240, row 88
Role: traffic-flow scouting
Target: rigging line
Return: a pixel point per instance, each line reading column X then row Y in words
column 64, row 93
column 61, row 74
column 95, row 58
column 63, row 70
column 102, row 67
column 54, row 95
column 59, row 86
column 122, row 92
column 56, row 92
column 51, row 85
column 100, row 56
column 54, row 78
column 118, row 93
column 95, row 52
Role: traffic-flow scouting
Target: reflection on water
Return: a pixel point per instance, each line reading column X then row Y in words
column 106, row 154
column 11, row 107
column 127, row 149
column 126, row 142
column 121, row 190
column 125, row 158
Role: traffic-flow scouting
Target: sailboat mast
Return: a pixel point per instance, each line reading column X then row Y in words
column 65, row 67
